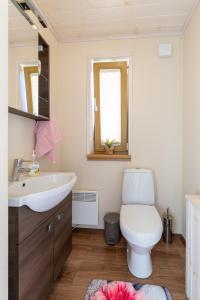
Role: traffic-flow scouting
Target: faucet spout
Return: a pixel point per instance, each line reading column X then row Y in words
column 18, row 169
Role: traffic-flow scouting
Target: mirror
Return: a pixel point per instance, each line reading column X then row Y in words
column 28, row 67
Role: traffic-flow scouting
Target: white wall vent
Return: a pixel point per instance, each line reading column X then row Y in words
column 165, row 50
column 85, row 207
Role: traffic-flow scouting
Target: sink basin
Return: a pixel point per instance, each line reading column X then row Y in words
column 41, row 193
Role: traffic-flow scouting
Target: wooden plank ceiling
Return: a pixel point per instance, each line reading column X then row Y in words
column 75, row 20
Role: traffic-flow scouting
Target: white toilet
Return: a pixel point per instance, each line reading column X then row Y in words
column 140, row 222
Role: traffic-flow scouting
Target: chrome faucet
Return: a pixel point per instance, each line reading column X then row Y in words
column 18, row 169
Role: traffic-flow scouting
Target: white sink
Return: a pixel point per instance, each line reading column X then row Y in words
column 41, row 193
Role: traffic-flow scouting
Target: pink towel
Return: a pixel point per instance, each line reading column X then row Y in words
column 47, row 136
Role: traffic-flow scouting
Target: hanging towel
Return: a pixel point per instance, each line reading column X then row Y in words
column 47, row 136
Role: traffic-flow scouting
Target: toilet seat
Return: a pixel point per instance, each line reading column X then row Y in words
column 140, row 224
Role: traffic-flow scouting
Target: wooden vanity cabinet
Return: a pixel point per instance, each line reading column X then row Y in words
column 38, row 253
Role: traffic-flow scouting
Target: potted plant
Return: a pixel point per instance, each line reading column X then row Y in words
column 110, row 145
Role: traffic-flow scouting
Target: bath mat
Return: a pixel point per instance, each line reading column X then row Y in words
column 120, row 290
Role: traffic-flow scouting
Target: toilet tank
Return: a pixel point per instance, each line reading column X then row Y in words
column 138, row 187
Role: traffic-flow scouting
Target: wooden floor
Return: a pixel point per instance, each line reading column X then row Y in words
column 91, row 258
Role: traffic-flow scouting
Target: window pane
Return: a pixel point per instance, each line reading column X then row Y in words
column 110, row 104
column 34, row 90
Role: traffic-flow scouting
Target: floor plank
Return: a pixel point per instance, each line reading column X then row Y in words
column 91, row 258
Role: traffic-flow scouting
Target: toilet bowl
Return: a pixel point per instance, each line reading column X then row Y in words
column 140, row 222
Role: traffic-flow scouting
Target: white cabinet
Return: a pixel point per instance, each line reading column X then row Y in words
column 193, row 247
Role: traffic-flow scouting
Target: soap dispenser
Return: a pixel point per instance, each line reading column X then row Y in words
column 34, row 167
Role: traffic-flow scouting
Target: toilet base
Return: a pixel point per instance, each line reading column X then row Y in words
column 139, row 261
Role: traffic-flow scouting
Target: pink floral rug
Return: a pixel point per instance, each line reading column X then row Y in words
column 120, row 290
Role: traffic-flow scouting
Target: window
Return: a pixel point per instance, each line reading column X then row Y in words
column 28, row 86
column 110, row 105
column 31, row 83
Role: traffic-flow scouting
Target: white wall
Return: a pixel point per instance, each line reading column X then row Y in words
column 191, row 119
column 3, row 151
column 157, row 120
column 21, row 137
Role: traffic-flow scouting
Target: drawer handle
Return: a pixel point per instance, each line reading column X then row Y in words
column 59, row 216
column 49, row 228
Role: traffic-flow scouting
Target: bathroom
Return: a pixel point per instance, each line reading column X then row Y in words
column 160, row 43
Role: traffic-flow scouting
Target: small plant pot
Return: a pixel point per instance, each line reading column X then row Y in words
column 109, row 150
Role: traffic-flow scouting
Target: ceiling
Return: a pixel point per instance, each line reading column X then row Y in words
column 20, row 31
column 75, row 20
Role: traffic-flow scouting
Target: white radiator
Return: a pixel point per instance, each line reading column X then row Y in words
column 85, row 207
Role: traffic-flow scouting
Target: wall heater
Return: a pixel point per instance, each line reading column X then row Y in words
column 85, row 207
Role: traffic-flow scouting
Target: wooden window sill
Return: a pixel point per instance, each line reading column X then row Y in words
column 108, row 157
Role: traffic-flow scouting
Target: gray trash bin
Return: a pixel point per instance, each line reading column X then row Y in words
column 112, row 228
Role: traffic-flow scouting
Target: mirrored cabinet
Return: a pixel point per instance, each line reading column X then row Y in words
column 28, row 67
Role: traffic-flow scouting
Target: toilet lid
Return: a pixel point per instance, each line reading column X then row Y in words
column 140, row 224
